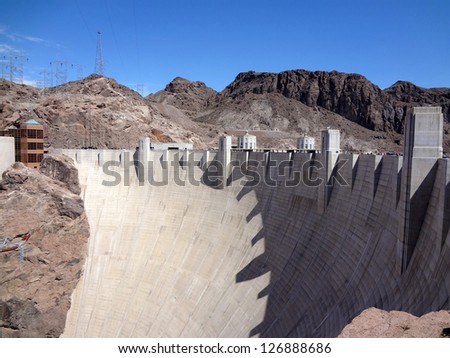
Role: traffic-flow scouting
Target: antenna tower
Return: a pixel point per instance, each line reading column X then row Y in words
column 99, row 66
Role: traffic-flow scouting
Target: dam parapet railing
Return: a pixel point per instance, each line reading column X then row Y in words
column 271, row 168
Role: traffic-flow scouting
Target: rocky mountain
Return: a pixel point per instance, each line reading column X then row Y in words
column 96, row 111
column 276, row 120
column 35, row 294
column 192, row 97
column 349, row 95
column 294, row 102
column 276, row 107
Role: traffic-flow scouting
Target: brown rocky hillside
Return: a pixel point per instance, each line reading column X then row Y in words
column 35, row 294
column 349, row 95
column 96, row 111
column 276, row 107
column 192, row 97
column 279, row 107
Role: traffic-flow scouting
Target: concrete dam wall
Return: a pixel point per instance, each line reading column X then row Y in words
column 287, row 245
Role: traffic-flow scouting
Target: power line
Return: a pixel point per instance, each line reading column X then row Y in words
column 83, row 18
column 108, row 13
column 136, row 41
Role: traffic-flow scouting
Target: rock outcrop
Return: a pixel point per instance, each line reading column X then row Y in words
column 193, row 97
column 349, row 95
column 376, row 323
column 60, row 168
column 35, row 294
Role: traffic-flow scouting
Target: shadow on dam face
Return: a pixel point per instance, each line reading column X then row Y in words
column 254, row 259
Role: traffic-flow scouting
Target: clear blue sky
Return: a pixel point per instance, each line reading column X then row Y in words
column 153, row 41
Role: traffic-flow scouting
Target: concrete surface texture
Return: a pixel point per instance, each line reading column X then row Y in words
column 163, row 260
column 254, row 258
column 7, row 156
column 271, row 244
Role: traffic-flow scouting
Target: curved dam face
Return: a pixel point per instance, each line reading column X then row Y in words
column 267, row 255
column 163, row 258
column 265, row 244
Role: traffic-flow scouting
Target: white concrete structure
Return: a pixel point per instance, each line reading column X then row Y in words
column 143, row 159
column 424, row 133
column 306, row 143
column 225, row 143
column 224, row 157
column 246, row 141
column 191, row 261
column 331, row 140
column 330, row 149
column 422, row 148
column 7, row 153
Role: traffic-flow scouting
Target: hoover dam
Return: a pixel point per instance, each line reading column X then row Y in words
column 261, row 243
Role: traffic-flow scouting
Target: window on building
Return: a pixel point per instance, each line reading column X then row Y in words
column 40, row 134
column 40, row 157
column 35, row 146
column 32, row 158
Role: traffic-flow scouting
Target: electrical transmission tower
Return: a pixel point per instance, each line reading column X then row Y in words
column 140, row 89
column 45, row 80
column 4, row 66
column 99, row 66
column 59, row 71
column 12, row 67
